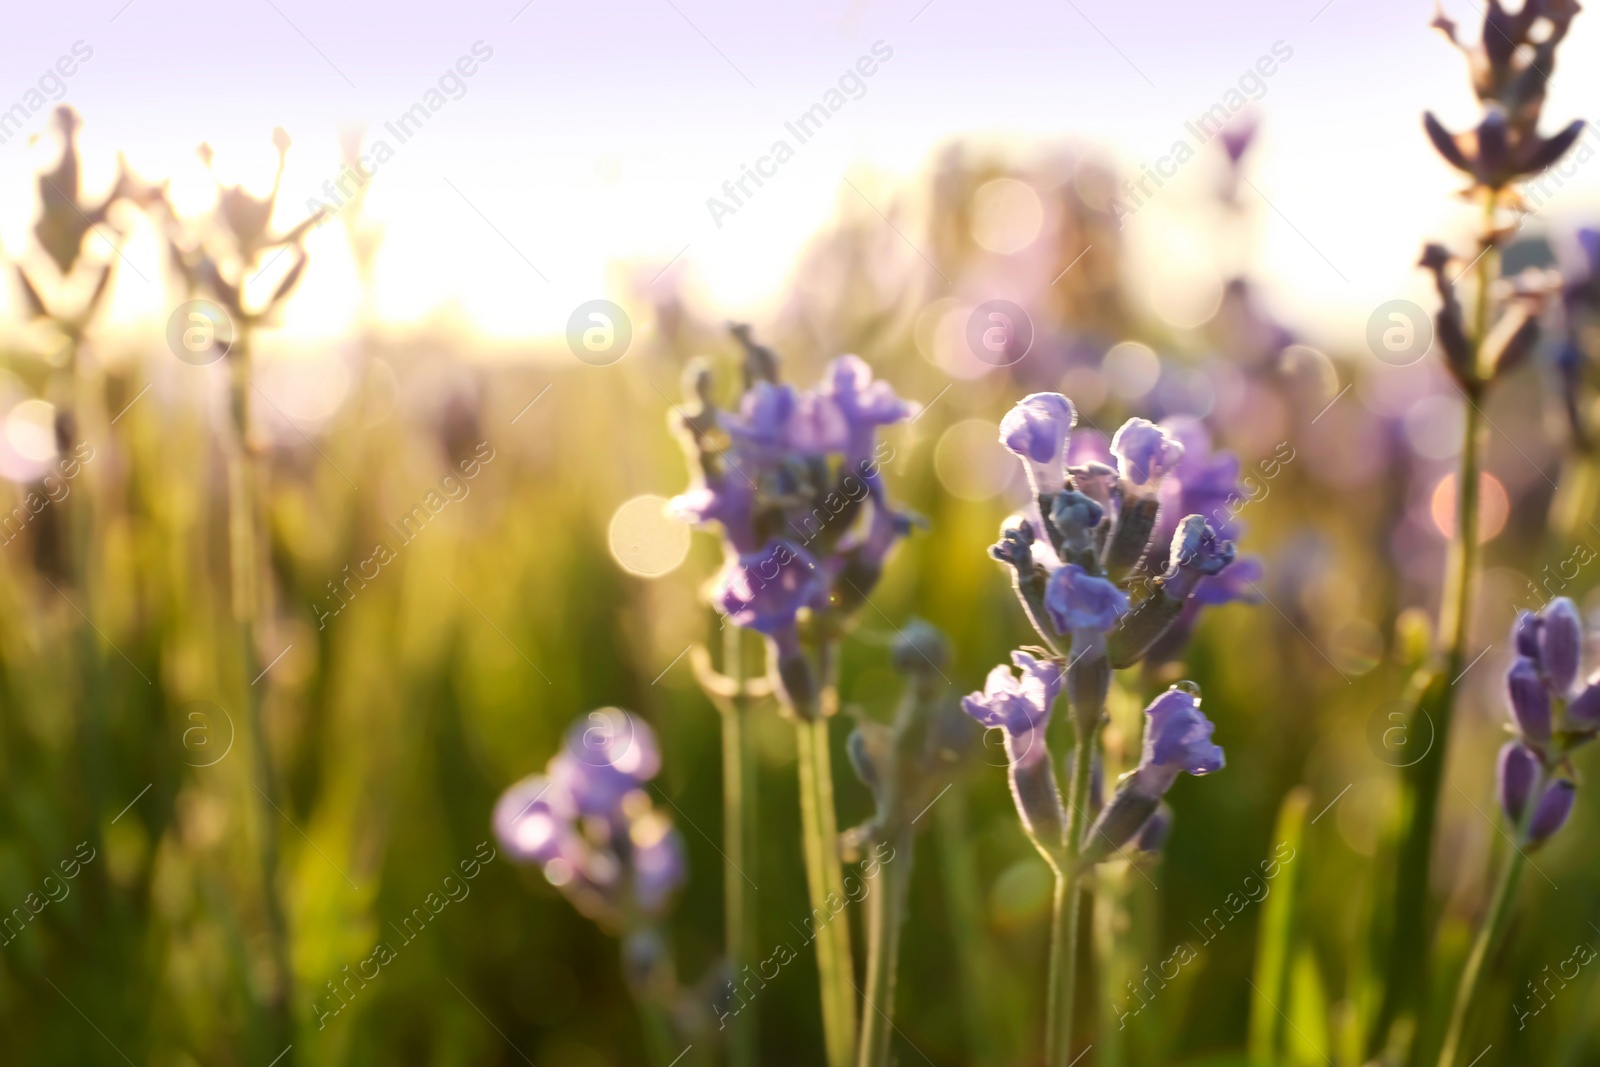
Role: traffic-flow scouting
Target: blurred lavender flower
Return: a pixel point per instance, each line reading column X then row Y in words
column 1551, row 715
column 793, row 480
column 588, row 823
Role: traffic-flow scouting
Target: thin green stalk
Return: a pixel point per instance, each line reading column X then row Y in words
column 1408, row 937
column 739, row 846
column 249, row 602
column 1065, row 909
column 886, row 913
column 1488, row 939
column 990, row 1031
column 824, row 872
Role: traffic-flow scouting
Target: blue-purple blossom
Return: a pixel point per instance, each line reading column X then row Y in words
column 1529, row 699
column 1037, row 430
column 1018, row 705
column 764, row 591
column 1553, row 809
column 1020, row 708
column 728, row 502
column 588, row 824
column 1177, row 739
column 863, row 404
column 1560, row 644
column 1145, row 453
column 1078, row 600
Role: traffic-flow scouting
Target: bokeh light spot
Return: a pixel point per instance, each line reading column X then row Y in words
column 1006, row 215
column 970, row 461
column 644, row 540
column 1130, row 369
column 1494, row 507
column 31, row 430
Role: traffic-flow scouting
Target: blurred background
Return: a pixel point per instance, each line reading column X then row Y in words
column 997, row 152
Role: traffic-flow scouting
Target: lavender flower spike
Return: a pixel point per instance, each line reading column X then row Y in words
column 1145, row 453
column 1177, row 739
column 1037, row 430
column 1020, row 707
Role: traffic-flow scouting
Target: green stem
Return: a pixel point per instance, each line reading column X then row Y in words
column 249, row 609
column 824, row 872
column 991, row 1037
column 1488, row 939
column 1065, row 908
column 1406, row 943
column 738, row 814
column 886, row 912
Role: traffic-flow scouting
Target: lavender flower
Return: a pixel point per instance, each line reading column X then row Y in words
column 588, row 823
column 1079, row 601
column 1549, row 718
column 1019, row 706
column 793, row 480
column 1037, row 430
column 1145, row 453
column 1177, row 740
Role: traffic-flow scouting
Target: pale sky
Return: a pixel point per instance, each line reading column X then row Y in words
column 595, row 133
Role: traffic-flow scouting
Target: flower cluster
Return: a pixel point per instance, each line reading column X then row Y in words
column 1103, row 575
column 793, row 479
column 1551, row 715
column 589, row 824
column 1510, row 67
column 1097, row 558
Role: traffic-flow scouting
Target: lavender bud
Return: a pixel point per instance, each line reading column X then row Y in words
column 1153, row 834
column 1560, row 644
column 1530, row 700
column 1583, row 713
column 1525, row 634
column 1075, row 517
column 1515, row 772
column 1553, row 809
column 1036, row 430
column 1129, row 810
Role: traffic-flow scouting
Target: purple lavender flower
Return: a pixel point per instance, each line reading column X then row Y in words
column 660, row 866
column 1553, row 809
column 533, row 820
column 1529, row 699
column 764, row 591
column 729, row 503
column 588, row 824
column 1145, row 453
column 1020, row 707
column 1079, row 601
column 1037, row 430
column 864, row 404
column 1177, row 739
column 1560, row 644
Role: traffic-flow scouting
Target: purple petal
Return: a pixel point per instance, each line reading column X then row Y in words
column 1517, row 766
column 1529, row 699
column 1077, row 600
column 1553, row 809
column 1560, row 644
